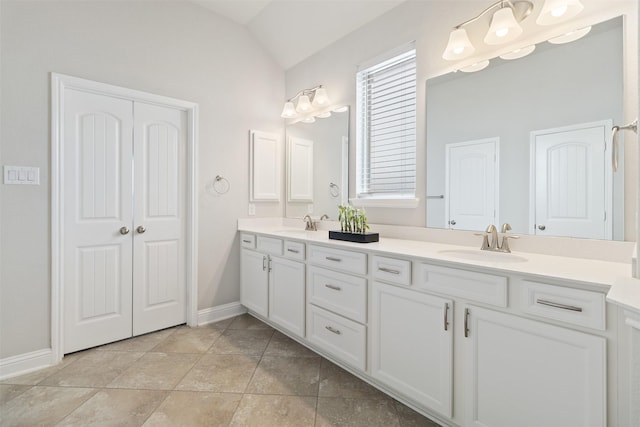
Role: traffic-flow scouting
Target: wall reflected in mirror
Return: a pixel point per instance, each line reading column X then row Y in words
column 317, row 166
column 527, row 141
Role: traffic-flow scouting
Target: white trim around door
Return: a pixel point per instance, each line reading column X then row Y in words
column 59, row 83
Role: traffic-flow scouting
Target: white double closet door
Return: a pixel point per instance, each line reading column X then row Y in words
column 124, row 218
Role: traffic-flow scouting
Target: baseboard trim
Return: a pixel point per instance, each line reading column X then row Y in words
column 220, row 312
column 25, row 363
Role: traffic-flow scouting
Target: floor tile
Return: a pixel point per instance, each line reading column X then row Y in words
column 274, row 411
column 336, row 382
column 221, row 373
column 246, row 321
column 242, row 341
column 336, row 411
column 282, row 345
column 10, row 391
column 116, row 407
column 94, row 369
column 188, row 408
column 156, row 371
column 286, row 375
column 144, row 342
column 410, row 418
column 43, row 405
column 188, row 340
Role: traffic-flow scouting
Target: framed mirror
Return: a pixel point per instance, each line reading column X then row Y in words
column 317, row 166
column 528, row 141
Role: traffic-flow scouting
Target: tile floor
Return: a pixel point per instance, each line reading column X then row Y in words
column 238, row 372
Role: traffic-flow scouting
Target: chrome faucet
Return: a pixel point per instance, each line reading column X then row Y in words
column 504, row 246
column 310, row 224
column 324, row 216
column 491, row 230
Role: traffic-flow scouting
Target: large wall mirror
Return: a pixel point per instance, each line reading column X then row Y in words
column 528, row 141
column 317, row 166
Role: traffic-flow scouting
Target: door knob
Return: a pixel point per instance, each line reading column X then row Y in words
column 141, row 229
column 124, row 230
column 541, row 227
column 452, row 222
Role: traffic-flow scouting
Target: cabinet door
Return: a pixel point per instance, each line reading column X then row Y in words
column 526, row 373
column 412, row 344
column 264, row 170
column 254, row 284
column 286, row 294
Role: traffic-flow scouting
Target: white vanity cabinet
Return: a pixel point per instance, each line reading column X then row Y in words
column 521, row 372
column 336, row 314
column 274, row 286
column 412, row 345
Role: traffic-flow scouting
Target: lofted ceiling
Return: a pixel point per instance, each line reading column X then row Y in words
column 292, row 30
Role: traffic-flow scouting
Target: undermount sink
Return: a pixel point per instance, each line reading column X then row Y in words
column 480, row 255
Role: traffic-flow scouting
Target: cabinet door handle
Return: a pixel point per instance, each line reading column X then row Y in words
column 246, row 241
column 446, row 316
column 558, row 305
column 335, row 331
column 388, row 270
column 466, row 322
column 269, row 263
column 330, row 258
column 264, row 263
column 334, row 287
column 294, row 251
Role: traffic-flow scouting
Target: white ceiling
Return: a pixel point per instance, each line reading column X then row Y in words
column 292, row 30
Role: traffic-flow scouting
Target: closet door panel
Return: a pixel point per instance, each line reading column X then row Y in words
column 159, row 218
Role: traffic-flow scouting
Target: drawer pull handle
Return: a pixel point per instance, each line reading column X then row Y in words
column 335, row 331
column 330, row 258
column 558, row 305
column 446, row 316
column 294, row 251
column 388, row 270
column 466, row 322
column 246, row 241
column 334, row 287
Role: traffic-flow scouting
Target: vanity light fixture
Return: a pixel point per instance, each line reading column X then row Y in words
column 570, row 36
column 309, row 104
column 556, row 11
column 504, row 28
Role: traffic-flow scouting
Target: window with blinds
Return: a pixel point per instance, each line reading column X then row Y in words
column 386, row 133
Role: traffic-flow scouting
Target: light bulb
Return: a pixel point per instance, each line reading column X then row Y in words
column 556, row 11
column 559, row 11
column 459, row 46
column 303, row 104
column 289, row 111
column 504, row 27
column 320, row 99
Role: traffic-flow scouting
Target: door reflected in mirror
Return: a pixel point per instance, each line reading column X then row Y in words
column 317, row 166
column 568, row 94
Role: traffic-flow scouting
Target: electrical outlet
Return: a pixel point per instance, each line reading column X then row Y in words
column 252, row 209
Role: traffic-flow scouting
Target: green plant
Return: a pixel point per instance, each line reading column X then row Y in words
column 352, row 220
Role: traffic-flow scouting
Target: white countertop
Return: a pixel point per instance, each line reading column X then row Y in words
column 600, row 275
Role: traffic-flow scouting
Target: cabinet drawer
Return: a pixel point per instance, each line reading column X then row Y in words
column 269, row 245
column 392, row 270
column 575, row 306
column 351, row 262
column 343, row 338
column 248, row 240
column 479, row 287
column 340, row 293
column 294, row 250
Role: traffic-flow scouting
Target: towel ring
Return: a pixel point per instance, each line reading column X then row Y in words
column 334, row 190
column 221, row 184
column 633, row 126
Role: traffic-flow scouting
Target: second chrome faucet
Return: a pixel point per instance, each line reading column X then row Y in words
column 495, row 244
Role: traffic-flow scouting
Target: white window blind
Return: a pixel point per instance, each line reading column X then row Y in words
column 386, row 133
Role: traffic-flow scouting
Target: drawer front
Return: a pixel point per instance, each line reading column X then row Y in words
column 575, row 306
column 478, row 287
column 337, row 292
column 392, row 270
column 294, row 250
column 269, row 245
column 351, row 262
column 248, row 240
column 343, row 338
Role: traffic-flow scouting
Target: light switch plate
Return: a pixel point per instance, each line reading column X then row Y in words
column 21, row 175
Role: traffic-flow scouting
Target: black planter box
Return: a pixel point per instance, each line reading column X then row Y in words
column 354, row 237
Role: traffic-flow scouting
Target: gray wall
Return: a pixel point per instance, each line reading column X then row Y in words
column 175, row 49
column 559, row 85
